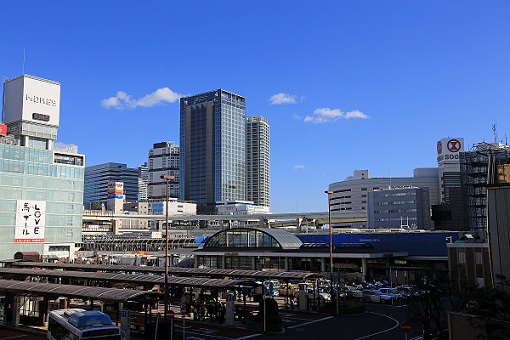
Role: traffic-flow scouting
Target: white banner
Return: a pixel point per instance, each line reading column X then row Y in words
column 30, row 221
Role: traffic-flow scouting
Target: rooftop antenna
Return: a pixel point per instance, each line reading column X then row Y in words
column 23, row 67
column 494, row 128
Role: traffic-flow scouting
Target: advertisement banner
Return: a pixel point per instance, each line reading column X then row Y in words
column 30, row 221
column 115, row 189
column 448, row 150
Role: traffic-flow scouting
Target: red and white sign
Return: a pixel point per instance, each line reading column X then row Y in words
column 3, row 129
column 405, row 327
column 170, row 314
column 183, row 309
column 448, row 150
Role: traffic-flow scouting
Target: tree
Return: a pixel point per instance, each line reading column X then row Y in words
column 491, row 306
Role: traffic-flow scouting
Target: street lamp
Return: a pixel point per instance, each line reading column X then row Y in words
column 167, row 179
column 329, row 193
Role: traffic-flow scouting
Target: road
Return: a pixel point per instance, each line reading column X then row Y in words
column 380, row 322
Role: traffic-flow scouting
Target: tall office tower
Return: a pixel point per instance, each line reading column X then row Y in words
column 474, row 168
column 98, row 177
column 448, row 163
column 213, row 149
column 448, row 214
column 41, row 187
column 143, row 182
column 163, row 160
column 258, row 161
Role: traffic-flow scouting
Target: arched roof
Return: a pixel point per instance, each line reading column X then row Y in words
column 253, row 238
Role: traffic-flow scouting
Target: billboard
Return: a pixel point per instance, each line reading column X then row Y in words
column 30, row 221
column 448, row 150
column 115, row 189
column 32, row 99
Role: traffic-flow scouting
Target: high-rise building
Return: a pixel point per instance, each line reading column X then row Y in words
column 258, row 161
column 213, row 149
column 41, row 186
column 163, row 160
column 98, row 177
column 475, row 174
column 448, row 163
column 143, row 182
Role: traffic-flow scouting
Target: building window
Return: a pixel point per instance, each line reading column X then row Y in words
column 478, row 258
column 462, row 257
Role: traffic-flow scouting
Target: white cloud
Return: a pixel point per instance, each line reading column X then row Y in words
column 327, row 115
column 282, row 98
column 298, row 167
column 124, row 101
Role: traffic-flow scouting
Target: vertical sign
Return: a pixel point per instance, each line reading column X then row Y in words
column 30, row 221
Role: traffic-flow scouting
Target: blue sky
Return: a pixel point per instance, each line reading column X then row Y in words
column 345, row 85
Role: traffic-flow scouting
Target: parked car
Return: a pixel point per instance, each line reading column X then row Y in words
column 394, row 293
column 375, row 296
column 408, row 291
column 312, row 293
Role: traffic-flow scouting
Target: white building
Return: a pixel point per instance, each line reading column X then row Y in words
column 352, row 193
column 448, row 163
column 258, row 186
column 240, row 208
column 41, row 187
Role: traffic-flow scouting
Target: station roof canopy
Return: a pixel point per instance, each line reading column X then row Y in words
column 178, row 271
column 253, row 238
column 93, row 293
column 129, row 279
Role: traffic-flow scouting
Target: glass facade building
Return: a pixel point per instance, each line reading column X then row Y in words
column 41, row 176
column 97, row 178
column 258, row 161
column 213, row 148
column 41, row 182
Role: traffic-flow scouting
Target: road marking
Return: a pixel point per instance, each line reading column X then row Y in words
column 397, row 323
column 310, row 322
column 221, row 337
column 206, row 330
column 15, row 337
column 248, row 336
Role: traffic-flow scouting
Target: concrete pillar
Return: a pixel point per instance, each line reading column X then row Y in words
column 286, row 264
column 44, row 310
column 16, row 306
column 364, row 269
column 223, row 262
column 323, row 264
column 253, row 263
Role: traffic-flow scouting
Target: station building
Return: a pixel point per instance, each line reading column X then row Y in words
column 356, row 256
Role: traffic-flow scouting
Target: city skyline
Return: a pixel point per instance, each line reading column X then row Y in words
column 344, row 85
